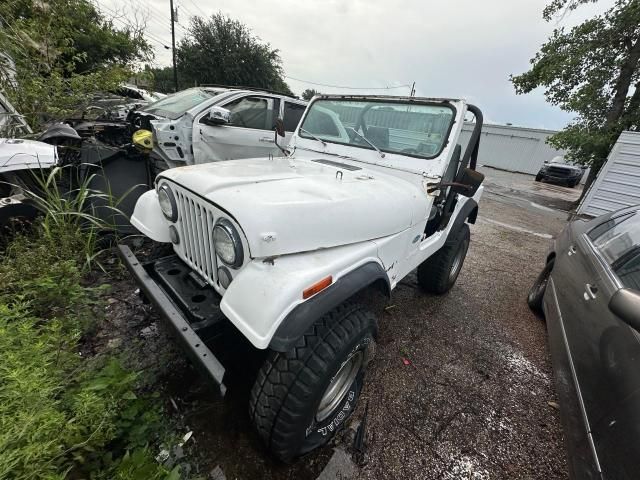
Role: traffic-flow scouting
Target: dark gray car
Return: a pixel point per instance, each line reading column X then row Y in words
column 589, row 292
column 560, row 173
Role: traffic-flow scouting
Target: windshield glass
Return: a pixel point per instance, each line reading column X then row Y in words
column 174, row 106
column 392, row 126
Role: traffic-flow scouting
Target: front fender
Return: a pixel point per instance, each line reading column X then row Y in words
column 264, row 293
column 148, row 218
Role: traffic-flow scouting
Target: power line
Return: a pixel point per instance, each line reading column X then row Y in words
column 344, row 87
column 198, row 7
column 126, row 24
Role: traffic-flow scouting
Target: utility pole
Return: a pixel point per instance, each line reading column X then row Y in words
column 413, row 90
column 174, row 19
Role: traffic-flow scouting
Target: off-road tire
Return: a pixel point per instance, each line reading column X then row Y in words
column 289, row 387
column 538, row 178
column 572, row 184
column 438, row 273
column 536, row 292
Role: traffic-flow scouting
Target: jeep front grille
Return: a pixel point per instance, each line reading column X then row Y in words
column 195, row 225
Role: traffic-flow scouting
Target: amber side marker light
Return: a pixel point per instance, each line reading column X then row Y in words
column 317, row 287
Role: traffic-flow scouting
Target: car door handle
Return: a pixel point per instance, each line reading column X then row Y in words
column 591, row 292
column 572, row 250
column 267, row 139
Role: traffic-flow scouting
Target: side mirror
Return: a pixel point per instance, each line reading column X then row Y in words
column 468, row 183
column 625, row 304
column 278, row 126
column 219, row 116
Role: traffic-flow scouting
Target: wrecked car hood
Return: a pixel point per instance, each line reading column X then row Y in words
column 288, row 206
column 18, row 154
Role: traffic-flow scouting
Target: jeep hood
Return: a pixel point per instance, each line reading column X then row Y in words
column 287, row 206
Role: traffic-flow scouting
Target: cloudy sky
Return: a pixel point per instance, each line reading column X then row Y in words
column 451, row 48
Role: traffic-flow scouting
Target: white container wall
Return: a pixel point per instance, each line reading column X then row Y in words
column 516, row 149
column 618, row 182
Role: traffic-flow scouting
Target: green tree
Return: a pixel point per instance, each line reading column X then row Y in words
column 219, row 50
column 592, row 70
column 64, row 51
column 163, row 80
column 309, row 93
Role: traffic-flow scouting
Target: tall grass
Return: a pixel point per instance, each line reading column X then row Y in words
column 64, row 416
column 71, row 212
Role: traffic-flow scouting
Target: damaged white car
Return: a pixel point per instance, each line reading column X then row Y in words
column 19, row 161
column 274, row 249
column 209, row 124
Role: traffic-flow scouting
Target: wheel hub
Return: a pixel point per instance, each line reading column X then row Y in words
column 339, row 386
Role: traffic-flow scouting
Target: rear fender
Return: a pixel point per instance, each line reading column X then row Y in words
column 265, row 302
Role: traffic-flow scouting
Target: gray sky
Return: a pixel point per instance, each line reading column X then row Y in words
column 450, row 48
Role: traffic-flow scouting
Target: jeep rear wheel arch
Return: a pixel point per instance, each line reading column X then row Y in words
column 305, row 314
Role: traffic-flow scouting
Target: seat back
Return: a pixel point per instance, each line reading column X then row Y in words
column 379, row 136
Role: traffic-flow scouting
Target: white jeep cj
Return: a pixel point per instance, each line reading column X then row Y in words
column 369, row 189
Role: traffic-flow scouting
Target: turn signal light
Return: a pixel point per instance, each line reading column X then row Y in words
column 317, row 287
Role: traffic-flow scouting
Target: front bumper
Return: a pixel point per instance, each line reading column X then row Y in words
column 184, row 329
column 561, row 178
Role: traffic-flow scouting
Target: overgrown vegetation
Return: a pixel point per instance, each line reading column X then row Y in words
column 58, row 53
column 64, row 414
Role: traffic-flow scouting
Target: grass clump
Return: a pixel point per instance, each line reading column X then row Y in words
column 64, row 416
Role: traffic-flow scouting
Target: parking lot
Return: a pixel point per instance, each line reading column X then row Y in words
column 461, row 386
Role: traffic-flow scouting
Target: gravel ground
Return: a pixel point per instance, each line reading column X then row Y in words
column 473, row 403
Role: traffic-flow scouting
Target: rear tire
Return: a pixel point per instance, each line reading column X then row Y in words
column 536, row 292
column 438, row 273
column 301, row 398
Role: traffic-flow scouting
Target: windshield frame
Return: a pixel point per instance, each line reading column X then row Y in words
column 400, row 101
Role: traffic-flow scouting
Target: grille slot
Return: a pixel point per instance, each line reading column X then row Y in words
column 564, row 172
column 195, row 224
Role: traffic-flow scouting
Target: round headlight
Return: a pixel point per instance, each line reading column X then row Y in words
column 167, row 203
column 227, row 243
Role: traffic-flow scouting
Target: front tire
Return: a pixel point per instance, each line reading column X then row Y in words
column 536, row 292
column 538, row 178
column 301, row 398
column 438, row 273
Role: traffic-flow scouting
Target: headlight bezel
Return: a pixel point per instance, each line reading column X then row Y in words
column 166, row 190
column 228, row 228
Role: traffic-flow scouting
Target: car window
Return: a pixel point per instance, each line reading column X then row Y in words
column 292, row 115
column 618, row 240
column 596, row 232
column 175, row 105
column 627, row 268
column 254, row 112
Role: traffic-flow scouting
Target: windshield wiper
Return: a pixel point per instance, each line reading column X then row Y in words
column 367, row 140
column 313, row 136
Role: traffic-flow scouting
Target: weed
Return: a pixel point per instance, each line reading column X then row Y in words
column 63, row 415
